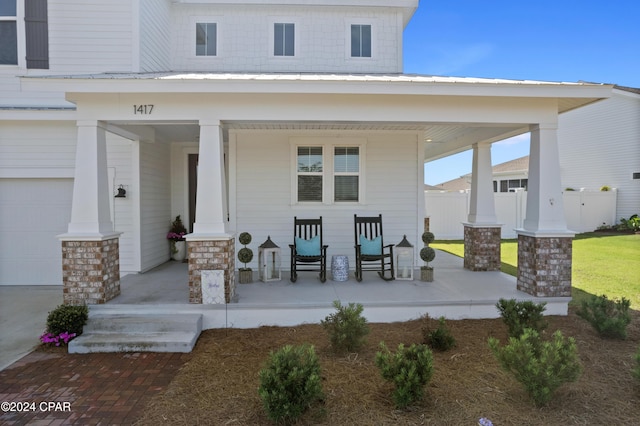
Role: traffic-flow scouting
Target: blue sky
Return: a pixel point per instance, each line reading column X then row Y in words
column 559, row 40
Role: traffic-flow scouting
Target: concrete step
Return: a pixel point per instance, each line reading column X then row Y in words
column 138, row 333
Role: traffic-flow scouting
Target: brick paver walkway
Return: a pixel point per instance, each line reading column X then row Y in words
column 92, row 389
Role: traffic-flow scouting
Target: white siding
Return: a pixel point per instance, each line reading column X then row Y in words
column 600, row 145
column 119, row 162
column 155, row 39
column 37, row 145
column 322, row 45
column 264, row 202
column 154, row 193
column 87, row 37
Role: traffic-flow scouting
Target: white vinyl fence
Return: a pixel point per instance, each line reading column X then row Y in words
column 585, row 211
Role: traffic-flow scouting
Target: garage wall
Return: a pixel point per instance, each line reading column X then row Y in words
column 32, row 213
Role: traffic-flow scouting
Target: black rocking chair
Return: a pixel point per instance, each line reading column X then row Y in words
column 370, row 248
column 308, row 253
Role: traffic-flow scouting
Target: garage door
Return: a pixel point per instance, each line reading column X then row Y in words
column 32, row 213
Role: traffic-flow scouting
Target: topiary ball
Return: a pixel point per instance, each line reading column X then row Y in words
column 245, row 238
column 245, row 255
column 428, row 237
column 427, row 254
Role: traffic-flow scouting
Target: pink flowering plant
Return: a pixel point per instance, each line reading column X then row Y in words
column 64, row 323
column 57, row 340
column 177, row 231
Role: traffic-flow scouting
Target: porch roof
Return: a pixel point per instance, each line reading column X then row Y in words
column 401, row 99
column 570, row 95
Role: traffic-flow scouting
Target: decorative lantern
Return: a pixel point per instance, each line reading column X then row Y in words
column 404, row 260
column 269, row 261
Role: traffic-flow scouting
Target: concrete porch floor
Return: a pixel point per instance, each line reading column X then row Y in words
column 455, row 293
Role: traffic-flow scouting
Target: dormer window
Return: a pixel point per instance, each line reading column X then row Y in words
column 206, row 39
column 283, row 39
column 360, row 41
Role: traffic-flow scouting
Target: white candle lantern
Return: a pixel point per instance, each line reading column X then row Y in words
column 269, row 261
column 404, row 260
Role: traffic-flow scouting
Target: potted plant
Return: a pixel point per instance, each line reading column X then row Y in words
column 427, row 254
column 176, row 237
column 245, row 255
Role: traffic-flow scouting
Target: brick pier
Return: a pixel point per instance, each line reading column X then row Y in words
column 90, row 271
column 205, row 255
column 482, row 247
column 544, row 265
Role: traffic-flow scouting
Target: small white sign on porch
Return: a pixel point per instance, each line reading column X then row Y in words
column 212, row 283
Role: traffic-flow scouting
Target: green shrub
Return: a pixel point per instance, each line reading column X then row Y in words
column 409, row 369
column 631, row 224
column 67, row 318
column 540, row 366
column 290, row 382
column 636, row 369
column 439, row 339
column 520, row 315
column 347, row 328
column 610, row 318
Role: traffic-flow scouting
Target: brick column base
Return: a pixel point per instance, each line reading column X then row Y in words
column 90, row 271
column 544, row 265
column 203, row 255
column 482, row 247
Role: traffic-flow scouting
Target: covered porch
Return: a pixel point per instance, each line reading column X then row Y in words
column 455, row 293
column 246, row 130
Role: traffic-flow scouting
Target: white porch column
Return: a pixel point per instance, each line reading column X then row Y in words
column 545, row 207
column 482, row 208
column 544, row 243
column 90, row 248
column 90, row 215
column 211, row 193
column 210, row 249
column 482, row 233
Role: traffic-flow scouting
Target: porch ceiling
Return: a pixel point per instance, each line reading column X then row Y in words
column 440, row 139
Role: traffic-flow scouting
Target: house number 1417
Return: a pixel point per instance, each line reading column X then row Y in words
column 143, row 109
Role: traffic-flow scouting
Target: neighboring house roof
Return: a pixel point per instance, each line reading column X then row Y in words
column 514, row 166
column 518, row 165
column 628, row 89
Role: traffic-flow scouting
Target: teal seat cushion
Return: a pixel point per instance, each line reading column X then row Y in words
column 308, row 247
column 371, row 247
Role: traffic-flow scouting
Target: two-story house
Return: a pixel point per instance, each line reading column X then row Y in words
column 210, row 109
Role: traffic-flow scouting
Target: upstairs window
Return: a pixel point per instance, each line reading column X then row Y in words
column 206, row 39
column 310, row 173
column 283, row 39
column 8, row 33
column 24, row 29
column 360, row 41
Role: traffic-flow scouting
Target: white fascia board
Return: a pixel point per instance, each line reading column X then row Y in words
column 40, row 114
column 310, row 84
column 359, row 3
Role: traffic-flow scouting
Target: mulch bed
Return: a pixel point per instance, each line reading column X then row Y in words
column 218, row 385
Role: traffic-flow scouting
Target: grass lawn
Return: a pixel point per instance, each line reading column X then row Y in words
column 602, row 264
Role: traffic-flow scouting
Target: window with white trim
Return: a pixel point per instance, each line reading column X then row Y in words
column 328, row 171
column 24, row 34
column 206, row 39
column 284, row 39
column 8, row 32
column 360, row 41
column 346, row 173
column 310, row 173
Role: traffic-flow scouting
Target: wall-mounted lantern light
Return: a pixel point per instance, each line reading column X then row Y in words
column 122, row 193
